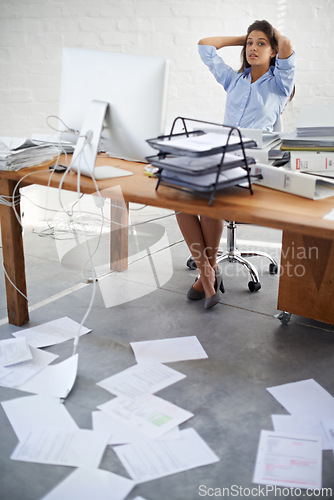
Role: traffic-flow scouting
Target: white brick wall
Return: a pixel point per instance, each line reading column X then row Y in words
column 33, row 32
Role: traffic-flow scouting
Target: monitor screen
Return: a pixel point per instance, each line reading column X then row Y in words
column 133, row 86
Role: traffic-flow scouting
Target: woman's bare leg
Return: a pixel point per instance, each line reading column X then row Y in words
column 192, row 229
column 212, row 230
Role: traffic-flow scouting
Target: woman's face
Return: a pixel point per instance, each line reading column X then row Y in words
column 258, row 49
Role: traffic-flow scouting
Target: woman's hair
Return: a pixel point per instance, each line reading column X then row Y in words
column 268, row 30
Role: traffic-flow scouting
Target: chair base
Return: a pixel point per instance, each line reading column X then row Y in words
column 232, row 254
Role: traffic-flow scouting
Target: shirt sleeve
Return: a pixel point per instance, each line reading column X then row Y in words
column 284, row 73
column 223, row 73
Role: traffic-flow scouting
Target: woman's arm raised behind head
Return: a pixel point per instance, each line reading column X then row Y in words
column 284, row 45
column 223, row 41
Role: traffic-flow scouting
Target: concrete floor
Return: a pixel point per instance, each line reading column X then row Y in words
column 248, row 348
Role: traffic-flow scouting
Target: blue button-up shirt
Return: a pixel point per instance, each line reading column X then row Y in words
column 252, row 105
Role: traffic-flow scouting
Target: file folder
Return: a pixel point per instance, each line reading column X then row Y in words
column 300, row 184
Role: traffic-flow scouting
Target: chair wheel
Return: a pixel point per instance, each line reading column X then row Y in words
column 273, row 268
column 191, row 264
column 254, row 287
column 284, row 317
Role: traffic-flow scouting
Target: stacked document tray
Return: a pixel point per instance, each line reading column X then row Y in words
column 202, row 161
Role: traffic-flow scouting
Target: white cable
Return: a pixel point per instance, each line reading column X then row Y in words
column 7, row 200
column 90, row 257
column 13, row 284
column 59, row 119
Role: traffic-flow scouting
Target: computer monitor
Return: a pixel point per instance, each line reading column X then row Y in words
column 128, row 91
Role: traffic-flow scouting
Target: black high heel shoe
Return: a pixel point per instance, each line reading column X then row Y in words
column 193, row 294
column 214, row 299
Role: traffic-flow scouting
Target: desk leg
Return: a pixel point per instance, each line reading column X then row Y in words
column 119, row 241
column 13, row 259
column 306, row 285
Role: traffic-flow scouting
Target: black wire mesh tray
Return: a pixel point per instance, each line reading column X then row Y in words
column 199, row 166
column 199, row 143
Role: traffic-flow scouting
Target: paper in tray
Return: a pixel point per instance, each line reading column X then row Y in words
column 199, row 166
column 205, row 183
column 198, row 143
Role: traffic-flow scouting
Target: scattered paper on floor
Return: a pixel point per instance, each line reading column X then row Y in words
column 154, row 459
column 87, row 484
column 169, row 350
column 14, row 351
column 141, row 379
column 293, row 461
column 121, row 433
column 53, row 332
column 55, row 380
column 30, row 412
column 150, row 415
column 20, row 373
column 74, row 448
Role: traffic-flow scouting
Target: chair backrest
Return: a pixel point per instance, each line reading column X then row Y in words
column 278, row 126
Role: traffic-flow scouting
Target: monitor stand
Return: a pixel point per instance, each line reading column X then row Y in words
column 86, row 149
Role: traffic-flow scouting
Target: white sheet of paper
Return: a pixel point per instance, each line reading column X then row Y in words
column 86, row 484
column 51, row 333
column 29, row 412
column 22, row 372
column 329, row 215
column 121, row 433
column 328, row 426
column 302, row 398
column 289, row 460
column 141, row 379
column 55, row 380
column 150, row 415
column 154, row 459
column 4, row 372
column 204, row 142
column 75, row 448
column 169, row 350
column 14, row 351
column 309, row 426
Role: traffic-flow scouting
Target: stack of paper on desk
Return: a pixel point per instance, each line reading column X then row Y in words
column 293, row 142
column 262, row 138
column 52, row 139
column 17, row 153
column 315, row 121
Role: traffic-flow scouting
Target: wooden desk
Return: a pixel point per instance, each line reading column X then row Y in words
column 308, row 294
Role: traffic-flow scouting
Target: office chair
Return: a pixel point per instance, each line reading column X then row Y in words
column 232, row 254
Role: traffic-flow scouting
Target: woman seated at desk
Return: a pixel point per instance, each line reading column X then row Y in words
column 256, row 96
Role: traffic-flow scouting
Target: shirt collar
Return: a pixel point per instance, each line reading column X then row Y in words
column 268, row 73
